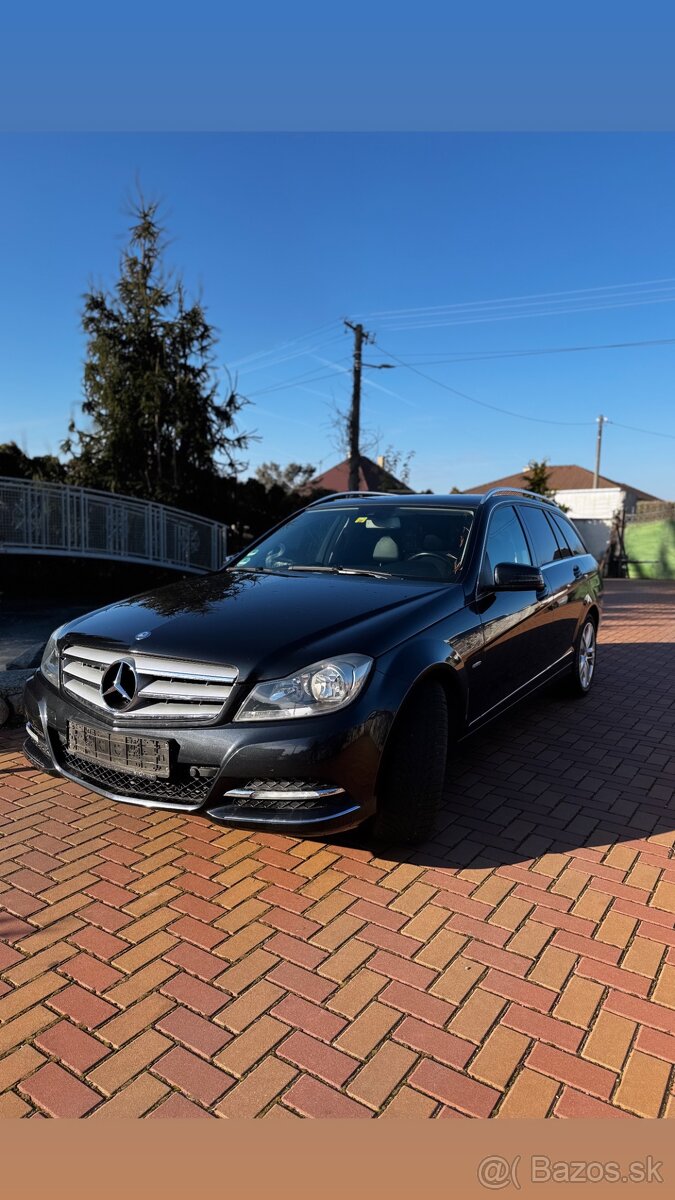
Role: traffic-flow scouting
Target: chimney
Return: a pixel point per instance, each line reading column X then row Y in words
column 380, row 461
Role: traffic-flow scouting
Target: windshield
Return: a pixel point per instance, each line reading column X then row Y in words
column 402, row 541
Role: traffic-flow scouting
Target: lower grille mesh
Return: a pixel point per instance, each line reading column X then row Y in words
column 273, row 804
column 283, row 785
column 140, row 787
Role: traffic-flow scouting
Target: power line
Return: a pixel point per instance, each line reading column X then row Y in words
column 490, row 355
column 306, row 351
column 520, row 316
column 284, row 345
column 539, row 297
column 636, row 429
column 307, row 377
column 371, row 383
column 482, row 403
column 521, row 416
column 311, row 377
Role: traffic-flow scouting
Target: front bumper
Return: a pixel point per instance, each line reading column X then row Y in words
column 307, row 775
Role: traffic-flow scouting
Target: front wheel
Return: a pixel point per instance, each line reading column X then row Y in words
column 585, row 654
column 410, row 787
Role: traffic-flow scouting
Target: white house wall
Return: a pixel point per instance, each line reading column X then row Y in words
column 592, row 503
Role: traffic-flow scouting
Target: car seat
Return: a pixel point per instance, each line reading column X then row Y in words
column 385, row 548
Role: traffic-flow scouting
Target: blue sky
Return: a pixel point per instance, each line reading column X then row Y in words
column 285, row 234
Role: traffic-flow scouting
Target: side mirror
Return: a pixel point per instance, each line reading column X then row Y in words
column 518, row 577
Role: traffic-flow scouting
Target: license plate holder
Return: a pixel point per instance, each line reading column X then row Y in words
column 130, row 753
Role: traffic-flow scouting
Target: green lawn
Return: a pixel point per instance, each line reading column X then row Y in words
column 651, row 550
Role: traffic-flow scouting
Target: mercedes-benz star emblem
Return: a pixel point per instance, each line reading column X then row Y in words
column 119, row 685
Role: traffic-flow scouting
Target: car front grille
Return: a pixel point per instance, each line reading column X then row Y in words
column 167, row 689
column 138, row 787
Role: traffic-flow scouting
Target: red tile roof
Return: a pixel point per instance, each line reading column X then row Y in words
column 562, row 479
column 372, row 478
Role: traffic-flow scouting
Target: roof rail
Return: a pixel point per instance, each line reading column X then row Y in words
column 346, row 495
column 498, row 491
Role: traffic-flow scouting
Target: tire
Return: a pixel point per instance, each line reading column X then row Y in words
column 580, row 681
column 410, row 787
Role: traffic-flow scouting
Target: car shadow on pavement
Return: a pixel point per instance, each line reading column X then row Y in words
column 554, row 775
column 557, row 775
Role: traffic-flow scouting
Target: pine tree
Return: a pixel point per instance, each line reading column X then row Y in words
column 537, row 477
column 157, row 428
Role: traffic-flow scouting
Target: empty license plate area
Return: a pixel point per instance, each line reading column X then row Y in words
column 125, row 752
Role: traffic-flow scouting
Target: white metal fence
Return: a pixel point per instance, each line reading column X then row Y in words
column 54, row 518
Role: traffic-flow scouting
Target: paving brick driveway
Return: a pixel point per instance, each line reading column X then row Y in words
column 521, row 964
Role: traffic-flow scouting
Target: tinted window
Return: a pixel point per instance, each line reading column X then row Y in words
column 570, row 534
column 563, row 550
column 505, row 543
column 541, row 534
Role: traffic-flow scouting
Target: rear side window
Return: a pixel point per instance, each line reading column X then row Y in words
column 505, row 543
column 541, row 535
column 563, row 550
column 569, row 533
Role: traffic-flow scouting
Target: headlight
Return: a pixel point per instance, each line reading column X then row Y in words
column 50, row 659
column 321, row 688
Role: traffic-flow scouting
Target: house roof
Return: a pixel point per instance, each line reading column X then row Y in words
column 372, row 478
column 562, row 479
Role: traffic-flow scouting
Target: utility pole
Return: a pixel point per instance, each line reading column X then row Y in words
column 598, row 446
column 360, row 336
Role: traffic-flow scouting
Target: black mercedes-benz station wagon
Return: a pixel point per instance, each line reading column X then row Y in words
column 320, row 678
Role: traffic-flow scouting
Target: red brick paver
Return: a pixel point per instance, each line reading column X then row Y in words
column 522, row 963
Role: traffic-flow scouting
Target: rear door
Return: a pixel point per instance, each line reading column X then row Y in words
column 510, row 620
column 558, row 616
column 583, row 565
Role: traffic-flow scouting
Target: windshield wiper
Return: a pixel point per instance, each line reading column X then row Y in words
column 362, row 571
column 312, row 567
column 258, row 570
column 341, row 570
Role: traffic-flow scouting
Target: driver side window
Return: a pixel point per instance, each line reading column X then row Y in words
column 505, row 543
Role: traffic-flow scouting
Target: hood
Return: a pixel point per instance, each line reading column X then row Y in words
column 269, row 625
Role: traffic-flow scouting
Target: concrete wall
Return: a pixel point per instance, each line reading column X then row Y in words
column 595, row 534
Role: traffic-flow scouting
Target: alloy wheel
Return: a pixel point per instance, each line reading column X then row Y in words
column 587, row 655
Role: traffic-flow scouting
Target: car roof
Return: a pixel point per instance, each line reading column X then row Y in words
column 416, row 498
column 421, row 499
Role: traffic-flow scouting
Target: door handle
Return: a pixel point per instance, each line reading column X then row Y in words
column 554, row 598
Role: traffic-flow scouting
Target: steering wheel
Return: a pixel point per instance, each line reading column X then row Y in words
column 434, row 554
column 439, row 558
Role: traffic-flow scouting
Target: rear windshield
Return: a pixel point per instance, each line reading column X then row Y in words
column 403, row 541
